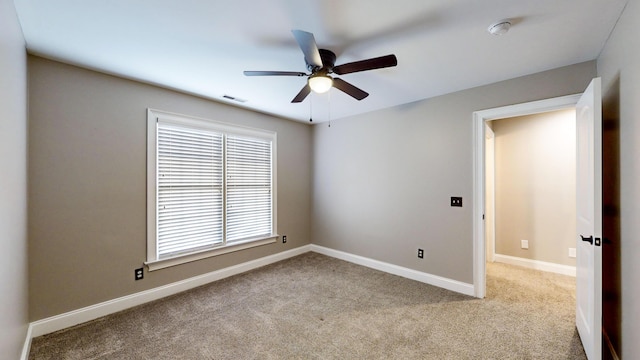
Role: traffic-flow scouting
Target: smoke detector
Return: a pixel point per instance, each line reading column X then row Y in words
column 499, row 28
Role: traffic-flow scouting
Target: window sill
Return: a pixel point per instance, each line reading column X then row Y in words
column 182, row 259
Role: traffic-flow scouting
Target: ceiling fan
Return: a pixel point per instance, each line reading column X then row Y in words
column 321, row 63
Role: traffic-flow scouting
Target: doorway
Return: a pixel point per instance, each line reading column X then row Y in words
column 480, row 118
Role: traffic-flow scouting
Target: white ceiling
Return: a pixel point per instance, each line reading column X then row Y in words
column 202, row 47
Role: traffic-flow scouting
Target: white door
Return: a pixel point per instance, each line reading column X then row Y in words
column 589, row 220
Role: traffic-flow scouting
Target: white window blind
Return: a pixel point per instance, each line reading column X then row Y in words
column 211, row 188
column 189, row 190
column 248, row 188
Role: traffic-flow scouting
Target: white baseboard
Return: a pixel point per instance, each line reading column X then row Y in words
column 453, row 285
column 63, row 321
column 536, row 264
column 27, row 344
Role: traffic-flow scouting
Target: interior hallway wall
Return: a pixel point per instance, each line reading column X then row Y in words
column 535, row 186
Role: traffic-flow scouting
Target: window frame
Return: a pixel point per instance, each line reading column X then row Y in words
column 153, row 117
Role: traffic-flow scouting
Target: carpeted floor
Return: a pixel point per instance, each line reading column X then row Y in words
column 316, row 307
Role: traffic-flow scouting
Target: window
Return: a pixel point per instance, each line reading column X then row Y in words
column 210, row 188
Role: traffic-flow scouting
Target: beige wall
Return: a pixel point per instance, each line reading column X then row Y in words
column 535, row 167
column 13, row 184
column 383, row 180
column 87, row 169
column 619, row 67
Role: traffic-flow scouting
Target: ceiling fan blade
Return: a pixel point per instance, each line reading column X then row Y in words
column 369, row 64
column 308, row 45
column 274, row 73
column 349, row 89
column 302, row 94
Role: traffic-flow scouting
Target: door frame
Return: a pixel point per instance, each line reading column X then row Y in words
column 479, row 120
column 490, row 194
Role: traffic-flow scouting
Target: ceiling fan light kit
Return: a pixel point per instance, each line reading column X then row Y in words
column 499, row 28
column 320, row 83
column 320, row 62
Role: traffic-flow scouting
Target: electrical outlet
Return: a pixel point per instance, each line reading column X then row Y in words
column 456, row 201
column 572, row 252
column 139, row 274
column 284, row 239
column 524, row 244
column 420, row 254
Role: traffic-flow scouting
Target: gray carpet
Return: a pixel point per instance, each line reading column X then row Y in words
column 316, row 307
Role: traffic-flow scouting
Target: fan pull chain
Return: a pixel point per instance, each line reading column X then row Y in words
column 311, row 108
column 329, row 97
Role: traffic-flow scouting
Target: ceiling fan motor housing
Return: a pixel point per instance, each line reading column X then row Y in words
column 328, row 61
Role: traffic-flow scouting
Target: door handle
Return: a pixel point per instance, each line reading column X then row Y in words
column 587, row 239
